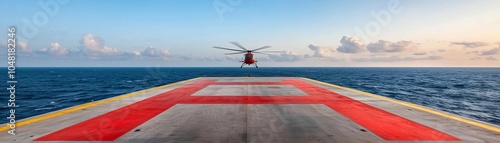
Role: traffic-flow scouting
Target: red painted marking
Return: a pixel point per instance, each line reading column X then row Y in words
column 382, row 123
column 109, row 126
column 112, row 125
column 249, row 83
column 276, row 99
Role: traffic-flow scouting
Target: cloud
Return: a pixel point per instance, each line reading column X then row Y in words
column 23, row 46
column 207, row 58
column 491, row 59
column 432, row 58
column 493, row 51
column 389, row 47
column 55, row 49
column 131, row 55
column 136, row 53
column 420, row 53
column 153, row 52
column 476, row 58
column 350, row 44
column 438, row 51
column 396, row 59
column 470, row 44
column 286, row 56
column 472, row 52
column 354, row 45
column 319, row 52
column 94, row 46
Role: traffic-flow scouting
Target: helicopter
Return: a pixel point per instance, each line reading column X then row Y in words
column 248, row 59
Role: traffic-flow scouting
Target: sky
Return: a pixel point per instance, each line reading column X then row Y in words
column 319, row 33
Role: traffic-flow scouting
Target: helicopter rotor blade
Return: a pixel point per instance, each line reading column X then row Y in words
column 265, row 47
column 271, row 51
column 235, row 53
column 229, row 49
column 261, row 53
column 238, row 45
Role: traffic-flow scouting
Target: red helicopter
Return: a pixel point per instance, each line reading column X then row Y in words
column 249, row 60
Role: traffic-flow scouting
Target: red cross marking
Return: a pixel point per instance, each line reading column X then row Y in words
column 112, row 125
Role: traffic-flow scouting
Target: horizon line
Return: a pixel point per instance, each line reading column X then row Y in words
column 261, row 67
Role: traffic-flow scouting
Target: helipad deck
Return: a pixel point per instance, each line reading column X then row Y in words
column 250, row 109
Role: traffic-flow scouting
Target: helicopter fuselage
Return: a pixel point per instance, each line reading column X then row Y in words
column 249, row 58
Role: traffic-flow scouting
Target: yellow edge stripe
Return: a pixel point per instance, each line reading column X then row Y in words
column 415, row 106
column 87, row 105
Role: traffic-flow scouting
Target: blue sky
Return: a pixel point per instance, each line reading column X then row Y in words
column 311, row 33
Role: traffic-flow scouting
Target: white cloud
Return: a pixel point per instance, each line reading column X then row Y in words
column 286, row 56
column 207, row 58
column 153, row 52
column 55, row 49
column 354, row 45
column 491, row 59
column 493, row 51
column 420, row 53
column 383, row 46
column 319, row 52
column 470, row 44
column 396, row 59
column 23, row 46
column 350, row 44
column 130, row 55
column 94, row 46
column 472, row 52
column 476, row 58
column 136, row 53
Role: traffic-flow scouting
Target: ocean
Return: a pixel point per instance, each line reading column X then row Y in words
column 469, row 92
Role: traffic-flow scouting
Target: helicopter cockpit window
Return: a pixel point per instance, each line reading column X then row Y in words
column 251, row 56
